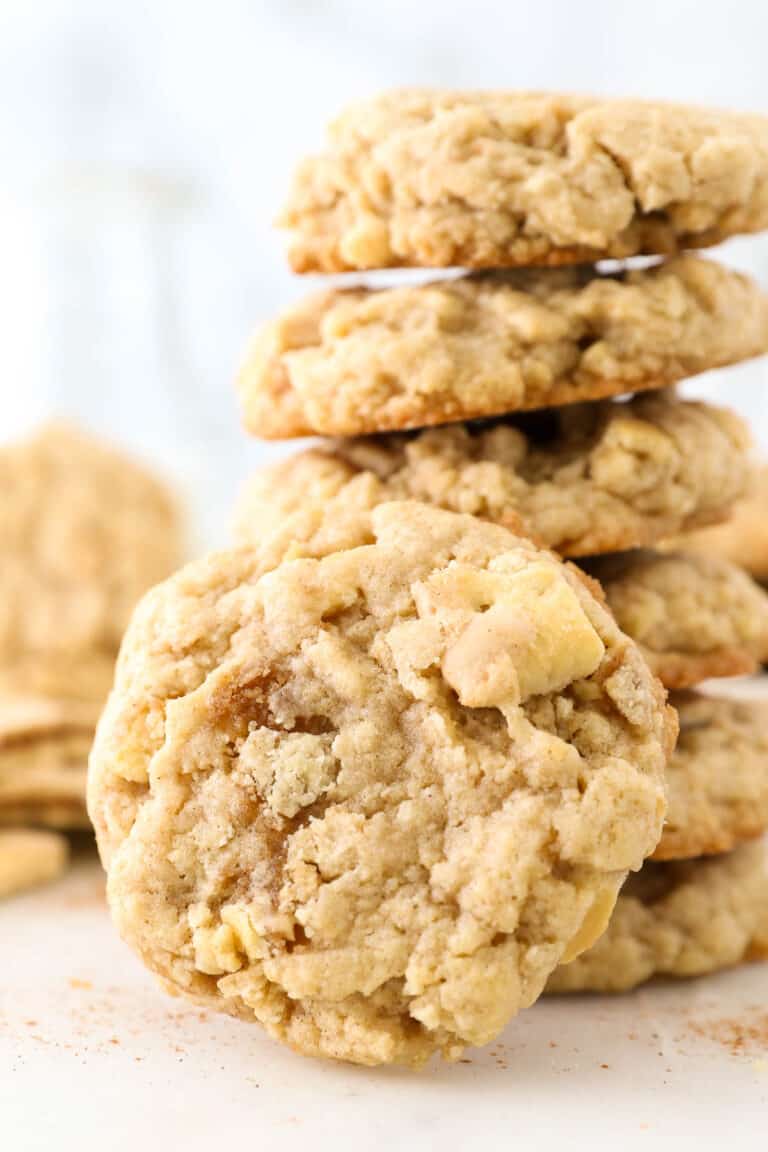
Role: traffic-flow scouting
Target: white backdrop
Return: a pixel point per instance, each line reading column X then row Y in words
column 146, row 149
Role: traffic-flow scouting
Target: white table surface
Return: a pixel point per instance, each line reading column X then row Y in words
column 94, row 1056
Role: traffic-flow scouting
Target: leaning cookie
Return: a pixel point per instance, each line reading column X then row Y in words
column 680, row 919
column 584, row 479
column 349, row 363
column 372, row 799
column 29, row 858
column 432, row 178
column 717, row 778
column 695, row 617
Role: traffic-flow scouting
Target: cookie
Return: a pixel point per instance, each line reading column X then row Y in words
column 84, row 531
column 27, row 716
column 29, row 858
column 45, row 779
column 371, row 800
column 693, row 616
column 583, row 479
column 680, row 919
column 717, row 778
column 743, row 538
column 347, row 363
column 434, row 179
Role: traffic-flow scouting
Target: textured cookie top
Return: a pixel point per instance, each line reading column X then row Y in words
column 372, row 799
column 84, row 531
column 694, row 616
column 717, row 777
column 743, row 539
column 352, row 362
column 681, row 919
column 583, row 479
column 495, row 179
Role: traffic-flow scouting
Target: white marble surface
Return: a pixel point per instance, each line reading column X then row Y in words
column 94, row 1057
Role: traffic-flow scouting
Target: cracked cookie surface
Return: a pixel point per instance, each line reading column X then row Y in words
column 583, row 479
column 430, row 178
column 679, row 919
column 694, row 617
column 371, row 799
column 360, row 361
column 717, row 777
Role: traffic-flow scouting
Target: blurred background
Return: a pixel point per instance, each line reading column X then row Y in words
column 145, row 150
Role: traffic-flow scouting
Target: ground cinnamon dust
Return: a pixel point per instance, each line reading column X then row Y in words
column 741, row 1035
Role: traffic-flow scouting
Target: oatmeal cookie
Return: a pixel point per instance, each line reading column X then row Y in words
column 371, row 799
column 430, row 178
column 717, row 778
column 84, row 531
column 348, row 363
column 681, row 919
column 582, row 479
column 695, row 617
column 743, row 538
column 29, row 858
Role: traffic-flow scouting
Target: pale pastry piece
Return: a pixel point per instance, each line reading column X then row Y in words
column 45, row 778
column 84, row 531
column 439, row 178
column 743, row 538
column 371, row 799
column 77, row 681
column 29, row 858
column 717, row 778
column 359, row 361
column 694, row 617
column 680, row 919
column 27, row 715
column 584, row 479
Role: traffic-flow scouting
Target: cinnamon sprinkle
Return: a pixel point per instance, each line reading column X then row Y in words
column 740, row 1035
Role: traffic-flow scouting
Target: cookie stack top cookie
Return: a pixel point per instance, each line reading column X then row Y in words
column 430, row 179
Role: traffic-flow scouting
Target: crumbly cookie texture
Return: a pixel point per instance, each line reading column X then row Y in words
column 29, row 858
column 45, row 778
column 743, row 538
column 717, row 778
column 694, row 616
column 348, row 363
column 681, row 919
column 84, row 531
column 583, row 479
column 433, row 178
column 371, row 799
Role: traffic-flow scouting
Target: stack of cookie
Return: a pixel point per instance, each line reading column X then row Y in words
column 372, row 776
column 83, row 533
column 497, row 393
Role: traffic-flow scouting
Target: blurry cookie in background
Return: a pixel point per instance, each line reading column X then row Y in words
column 743, row 539
column 30, row 857
column 84, row 531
